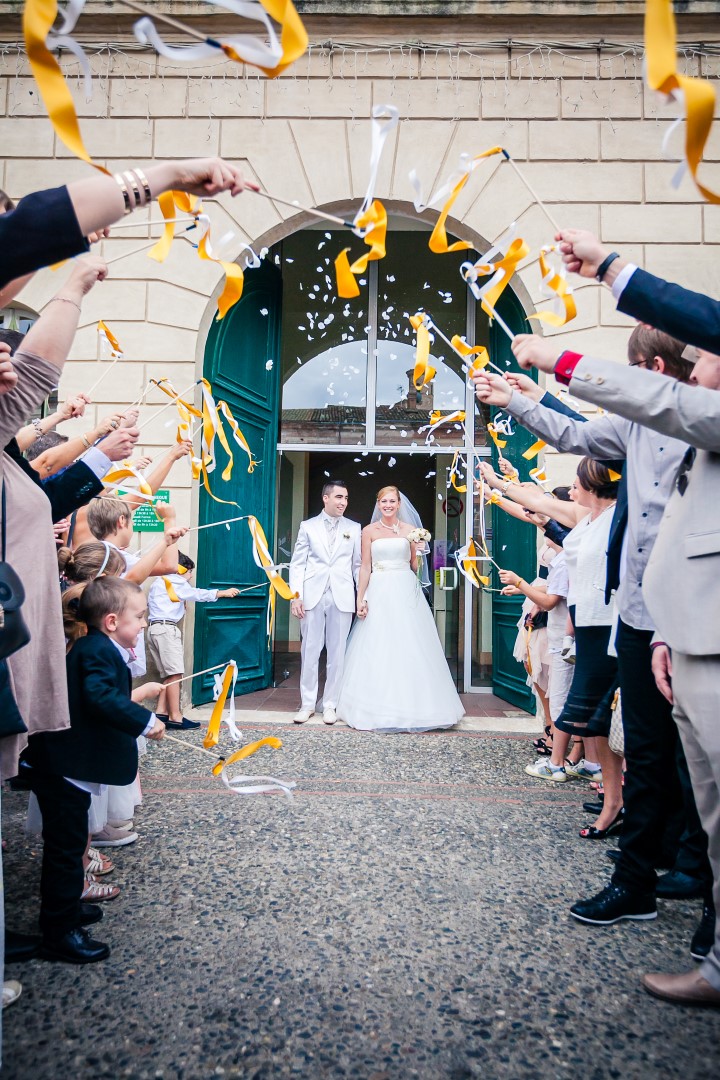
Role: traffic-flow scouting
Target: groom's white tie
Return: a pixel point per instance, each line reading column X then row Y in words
column 331, row 527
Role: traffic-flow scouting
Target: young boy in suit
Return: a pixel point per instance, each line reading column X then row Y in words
column 99, row 748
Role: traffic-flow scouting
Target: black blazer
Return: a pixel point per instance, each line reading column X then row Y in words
column 70, row 489
column 42, row 230
column 100, row 744
column 687, row 315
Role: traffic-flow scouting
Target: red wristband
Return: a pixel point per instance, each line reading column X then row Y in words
column 565, row 366
column 658, row 644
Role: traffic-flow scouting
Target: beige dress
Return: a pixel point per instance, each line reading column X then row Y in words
column 37, row 672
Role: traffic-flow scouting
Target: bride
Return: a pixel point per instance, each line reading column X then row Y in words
column 396, row 677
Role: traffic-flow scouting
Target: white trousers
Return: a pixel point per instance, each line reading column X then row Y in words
column 325, row 625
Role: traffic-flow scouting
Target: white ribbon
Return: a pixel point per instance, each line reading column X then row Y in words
column 259, row 785
column 470, row 273
column 61, row 39
column 252, row 49
column 384, row 120
column 504, row 426
column 465, row 166
column 229, row 718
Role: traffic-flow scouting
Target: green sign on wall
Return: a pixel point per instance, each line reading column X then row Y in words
column 145, row 519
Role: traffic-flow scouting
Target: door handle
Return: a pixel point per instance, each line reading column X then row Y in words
column 445, row 572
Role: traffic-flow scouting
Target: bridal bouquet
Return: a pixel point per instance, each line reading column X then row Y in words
column 420, row 537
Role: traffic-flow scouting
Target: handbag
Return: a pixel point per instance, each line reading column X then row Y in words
column 13, row 628
column 616, row 737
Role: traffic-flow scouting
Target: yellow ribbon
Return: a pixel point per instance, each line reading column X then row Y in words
column 213, row 732
column 482, row 357
column 170, row 588
column 614, row 476
column 375, row 221
column 238, row 436
column 501, row 271
column 167, row 388
column 662, row 75
column 439, row 239
column 499, row 443
column 170, row 203
column 234, row 277
column 423, row 372
column 534, row 450
column 293, row 37
column 538, row 475
column 38, row 19
column 557, row 284
column 244, row 752
column 468, row 562
column 112, row 341
column 453, row 473
column 124, row 471
column 264, row 560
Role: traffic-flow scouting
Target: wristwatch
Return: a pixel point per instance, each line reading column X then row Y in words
column 38, row 427
column 605, row 264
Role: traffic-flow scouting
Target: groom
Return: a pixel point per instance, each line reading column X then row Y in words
column 323, row 572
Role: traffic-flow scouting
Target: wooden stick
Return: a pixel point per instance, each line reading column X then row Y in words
column 155, row 221
column 97, row 382
column 127, row 254
column 195, row 674
column 169, row 404
column 192, row 746
column 175, row 23
column 533, row 192
column 466, row 359
column 212, row 524
column 307, row 209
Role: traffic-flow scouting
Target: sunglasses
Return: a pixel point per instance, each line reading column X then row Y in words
column 682, row 479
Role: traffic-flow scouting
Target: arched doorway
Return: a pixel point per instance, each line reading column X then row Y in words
column 326, row 384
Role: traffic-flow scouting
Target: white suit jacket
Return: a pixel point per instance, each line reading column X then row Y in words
column 681, row 584
column 313, row 565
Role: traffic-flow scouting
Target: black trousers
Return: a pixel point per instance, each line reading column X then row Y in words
column 64, row 810
column 657, row 784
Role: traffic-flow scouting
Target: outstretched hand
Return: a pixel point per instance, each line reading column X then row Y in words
column 581, row 251
column 533, row 351
column 492, row 389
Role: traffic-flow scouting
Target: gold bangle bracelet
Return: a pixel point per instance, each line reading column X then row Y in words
column 146, row 186
column 125, row 194
column 132, row 181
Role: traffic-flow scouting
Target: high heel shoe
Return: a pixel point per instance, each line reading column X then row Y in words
column 543, row 745
column 592, row 833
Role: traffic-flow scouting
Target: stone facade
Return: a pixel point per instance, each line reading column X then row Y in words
column 577, row 118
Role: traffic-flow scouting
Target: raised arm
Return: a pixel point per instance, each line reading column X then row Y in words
column 533, row 499
column 58, row 457
column 69, row 410
column 539, row 595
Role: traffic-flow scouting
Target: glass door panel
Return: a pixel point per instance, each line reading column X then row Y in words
column 448, row 584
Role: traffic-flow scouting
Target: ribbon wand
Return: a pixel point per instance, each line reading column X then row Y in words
column 523, row 179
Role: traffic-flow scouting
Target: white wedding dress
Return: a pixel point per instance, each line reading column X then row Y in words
column 396, row 677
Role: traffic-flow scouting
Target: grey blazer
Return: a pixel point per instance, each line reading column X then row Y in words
column 681, row 585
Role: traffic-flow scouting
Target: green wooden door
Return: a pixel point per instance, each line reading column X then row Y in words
column 237, row 354
column 514, row 543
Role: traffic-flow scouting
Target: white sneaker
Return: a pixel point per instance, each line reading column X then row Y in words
column 329, row 716
column 543, row 770
column 109, row 837
column 303, row 716
column 11, row 991
column 580, row 771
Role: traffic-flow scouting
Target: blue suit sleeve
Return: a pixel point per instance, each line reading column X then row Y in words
column 43, row 229
column 686, row 315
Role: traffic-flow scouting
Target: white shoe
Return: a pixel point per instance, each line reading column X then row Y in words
column 329, row 716
column 11, row 991
column 303, row 716
column 543, row 770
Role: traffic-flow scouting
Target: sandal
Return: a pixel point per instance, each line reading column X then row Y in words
column 98, row 864
column 541, row 743
column 95, row 892
column 592, row 833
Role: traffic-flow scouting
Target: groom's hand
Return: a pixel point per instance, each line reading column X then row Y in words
column 296, row 606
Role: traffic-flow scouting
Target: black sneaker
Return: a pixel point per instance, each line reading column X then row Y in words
column 704, row 936
column 614, row 903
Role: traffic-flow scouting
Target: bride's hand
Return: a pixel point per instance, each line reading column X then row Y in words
column 362, row 609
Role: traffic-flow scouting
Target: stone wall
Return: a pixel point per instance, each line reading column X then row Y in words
column 577, row 118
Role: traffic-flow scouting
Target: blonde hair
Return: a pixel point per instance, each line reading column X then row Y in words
column 385, row 490
column 103, row 515
column 89, row 560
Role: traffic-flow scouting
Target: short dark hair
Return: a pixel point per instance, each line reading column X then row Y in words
column 327, row 488
column 6, row 202
column 645, row 343
column 13, row 338
column 185, row 560
column 43, row 443
column 105, row 596
column 594, row 476
column 562, row 493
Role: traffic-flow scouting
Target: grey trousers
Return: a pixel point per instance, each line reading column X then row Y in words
column 696, row 689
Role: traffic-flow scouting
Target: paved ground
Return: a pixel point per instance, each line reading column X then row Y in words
column 405, row 916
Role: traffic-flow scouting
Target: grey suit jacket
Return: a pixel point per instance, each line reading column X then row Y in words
column 681, row 585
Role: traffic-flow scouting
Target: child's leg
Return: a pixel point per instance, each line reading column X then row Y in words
column 172, row 698
column 64, row 810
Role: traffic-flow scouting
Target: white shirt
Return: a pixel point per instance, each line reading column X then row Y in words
column 138, row 666
column 557, row 584
column 97, row 461
column 585, row 550
column 160, row 606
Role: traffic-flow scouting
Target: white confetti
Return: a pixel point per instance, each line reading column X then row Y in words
column 263, row 311
column 391, row 461
column 403, row 434
column 391, row 277
column 269, row 365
